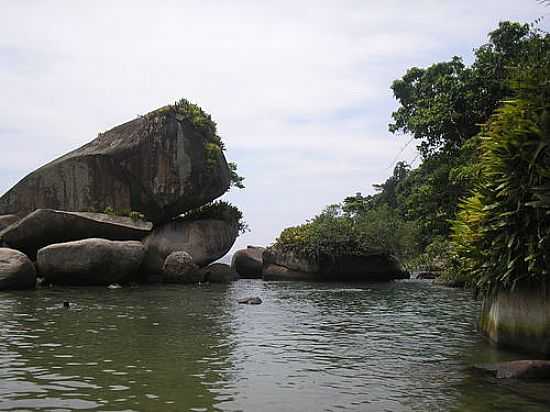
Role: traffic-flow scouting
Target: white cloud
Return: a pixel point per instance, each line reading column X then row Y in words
column 300, row 89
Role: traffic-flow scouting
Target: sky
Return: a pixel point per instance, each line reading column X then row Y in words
column 300, row 89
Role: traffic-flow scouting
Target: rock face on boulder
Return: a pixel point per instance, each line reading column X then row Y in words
column 159, row 164
column 16, row 270
column 248, row 262
column 374, row 267
column 7, row 220
column 46, row 227
column 205, row 240
column 518, row 319
column 179, row 268
column 90, row 262
column 219, row 273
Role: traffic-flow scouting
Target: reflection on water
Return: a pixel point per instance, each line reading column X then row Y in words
column 404, row 346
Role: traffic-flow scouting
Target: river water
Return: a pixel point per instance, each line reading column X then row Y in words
column 402, row 346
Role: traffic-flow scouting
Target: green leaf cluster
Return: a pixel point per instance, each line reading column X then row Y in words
column 338, row 231
column 501, row 236
column 214, row 145
column 219, row 210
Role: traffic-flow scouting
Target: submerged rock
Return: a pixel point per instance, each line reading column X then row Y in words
column 45, row 227
column 16, row 270
column 219, row 273
column 90, row 262
column 7, row 220
column 377, row 266
column 179, row 268
column 253, row 300
column 248, row 262
column 520, row 369
column 205, row 240
column 159, row 164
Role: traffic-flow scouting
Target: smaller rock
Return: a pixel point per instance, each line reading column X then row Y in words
column 179, row 268
column 253, row 300
column 66, row 305
column 114, row 286
column 520, row 369
column 16, row 270
column 219, row 273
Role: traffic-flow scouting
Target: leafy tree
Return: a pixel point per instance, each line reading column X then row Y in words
column 445, row 104
column 336, row 232
column 502, row 232
column 443, row 107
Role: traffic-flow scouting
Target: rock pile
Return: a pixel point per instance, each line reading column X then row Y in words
column 74, row 216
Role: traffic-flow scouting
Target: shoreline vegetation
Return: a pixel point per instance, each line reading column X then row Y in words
column 475, row 211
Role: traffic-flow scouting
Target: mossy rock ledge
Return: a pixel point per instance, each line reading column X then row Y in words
column 157, row 164
column 518, row 319
column 375, row 267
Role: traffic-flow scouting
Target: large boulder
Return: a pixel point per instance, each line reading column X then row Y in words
column 376, row 266
column 90, row 262
column 248, row 262
column 7, row 220
column 179, row 268
column 160, row 164
column 45, row 227
column 16, row 270
column 205, row 240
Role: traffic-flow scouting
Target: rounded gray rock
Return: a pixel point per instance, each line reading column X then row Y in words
column 90, row 262
column 205, row 240
column 179, row 268
column 16, row 270
column 248, row 262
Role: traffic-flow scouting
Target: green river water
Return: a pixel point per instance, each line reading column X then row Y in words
column 402, row 346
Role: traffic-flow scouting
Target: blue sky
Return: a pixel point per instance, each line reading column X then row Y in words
column 300, row 89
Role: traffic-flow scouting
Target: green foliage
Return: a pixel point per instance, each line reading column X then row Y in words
column 213, row 153
column 236, row 179
column 336, row 232
column 443, row 107
column 502, row 232
column 435, row 258
column 135, row 216
column 220, row 210
column 214, row 145
column 201, row 120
